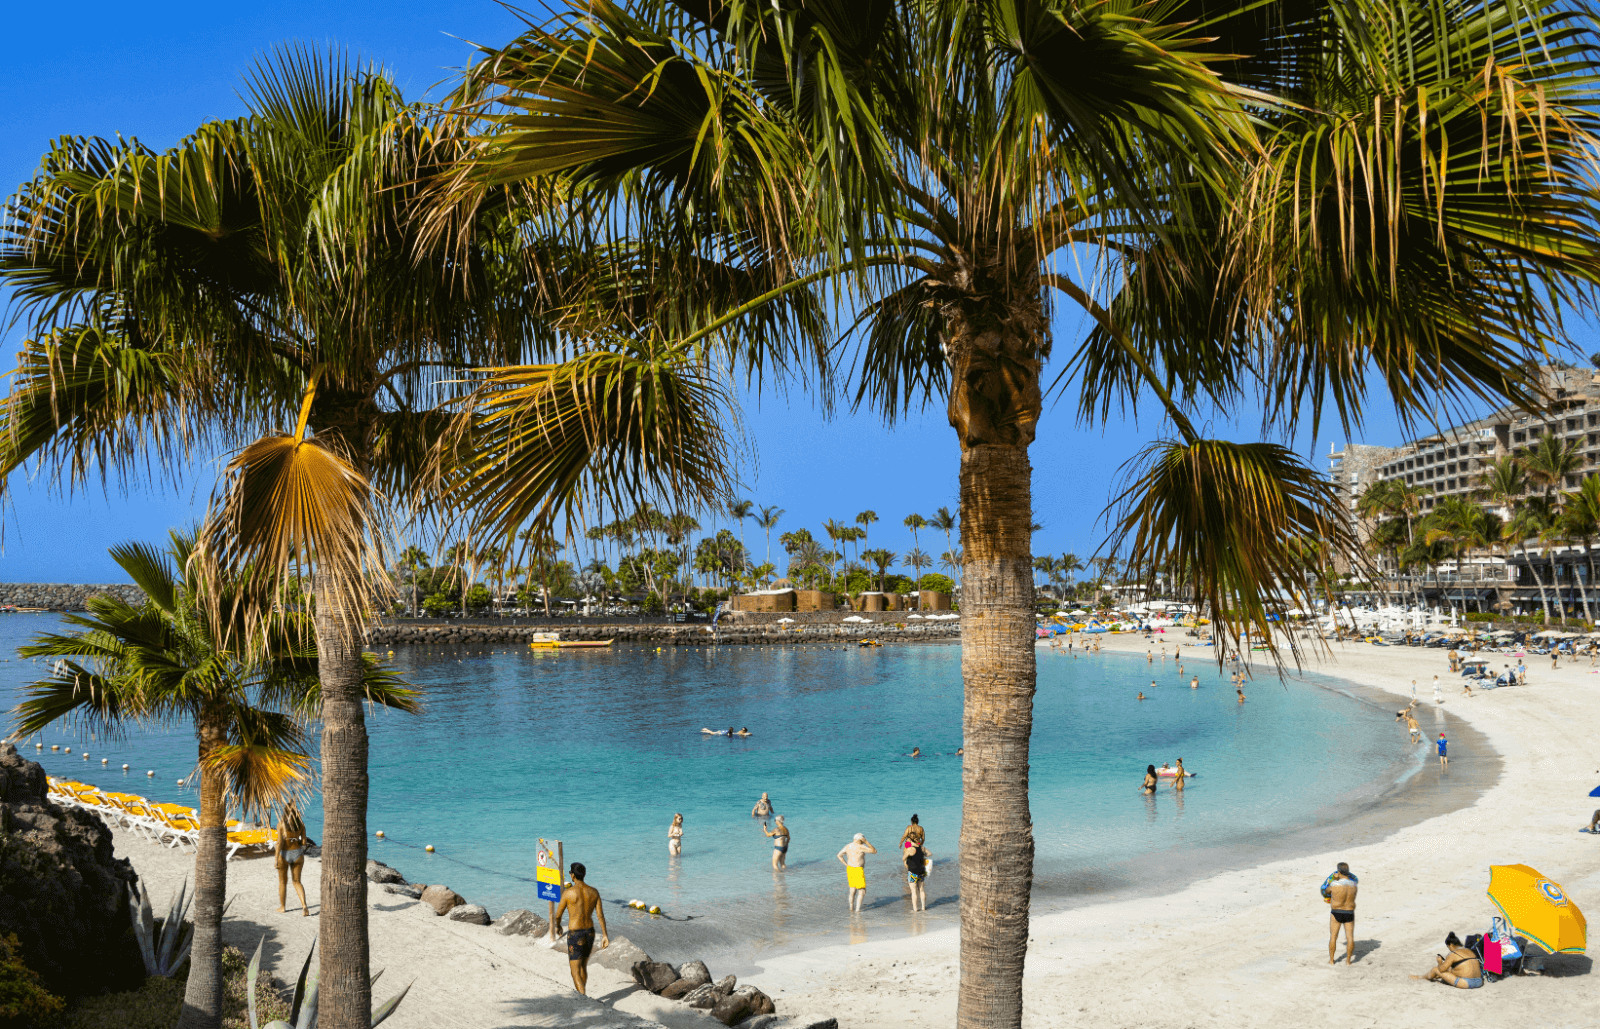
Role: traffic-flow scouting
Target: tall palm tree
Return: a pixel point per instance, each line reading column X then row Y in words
column 172, row 659
column 198, row 297
column 945, row 521
column 1551, row 462
column 1071, row 565
column 767, row 520
column 837, row 532
column 914, row 522
column 937, row 157
column 1580, row 521
column 950, row 560
column 917, row 561
column 740, row 510
column 884, row 559
column 865, row 520
column 415, row 561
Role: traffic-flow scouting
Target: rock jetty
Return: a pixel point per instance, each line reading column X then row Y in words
column 62, row 596
column 671, row 635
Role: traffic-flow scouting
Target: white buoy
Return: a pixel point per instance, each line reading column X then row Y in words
column 124, row 768
column 180, row 782
column 67, row 750
column 105, row 761
column 86, row 756
column 380, row 832
column 38, row 746
column 151, row 773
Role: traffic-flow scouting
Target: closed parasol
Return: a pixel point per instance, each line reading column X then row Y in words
column 1539, row 908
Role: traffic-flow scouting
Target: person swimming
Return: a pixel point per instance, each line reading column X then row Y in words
column 916, row 752
column 744, row 731
column 1140, row 697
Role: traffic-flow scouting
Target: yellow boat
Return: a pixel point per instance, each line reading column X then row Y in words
column 553, row 640
column 871, row 643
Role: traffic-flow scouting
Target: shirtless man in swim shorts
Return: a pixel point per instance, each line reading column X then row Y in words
column 854, row 859
column 763, row 808
column 581, row 902
column 1342, row 911
column 1413, row 728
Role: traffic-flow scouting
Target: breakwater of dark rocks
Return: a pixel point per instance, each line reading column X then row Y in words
column 63, row 596
column 680, row 635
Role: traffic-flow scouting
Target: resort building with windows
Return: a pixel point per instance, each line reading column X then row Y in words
column 1450, row 463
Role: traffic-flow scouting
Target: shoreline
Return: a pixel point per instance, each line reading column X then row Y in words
column 1242, row 944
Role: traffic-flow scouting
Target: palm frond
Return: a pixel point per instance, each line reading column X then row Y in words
column 619, row 426
column 77, row 696
column 1231, row 520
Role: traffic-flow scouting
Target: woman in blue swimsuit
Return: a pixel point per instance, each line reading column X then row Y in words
column 780, row 843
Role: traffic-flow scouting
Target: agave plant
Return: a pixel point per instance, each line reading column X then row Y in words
column 303, row 1008
column 166, row 948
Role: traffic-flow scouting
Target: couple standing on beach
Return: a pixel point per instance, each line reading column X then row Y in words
column 915, row 856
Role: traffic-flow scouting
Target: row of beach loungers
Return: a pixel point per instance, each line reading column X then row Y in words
column 171, row 825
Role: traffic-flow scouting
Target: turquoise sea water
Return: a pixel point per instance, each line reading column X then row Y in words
column 600, row 748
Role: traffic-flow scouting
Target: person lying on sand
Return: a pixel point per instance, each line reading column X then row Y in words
column 1594, row 823
column 1460, row 968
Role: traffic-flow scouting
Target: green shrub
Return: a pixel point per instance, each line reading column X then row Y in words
column 938, row 583
column 158, row 1003
column 653, row 604
column 24, row 1002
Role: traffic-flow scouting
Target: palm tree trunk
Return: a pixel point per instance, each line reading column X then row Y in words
column 995, row 403
column 1581, row 574
column 1544, row 598
column 997, row 668
column 346, row 994
column 202, row 997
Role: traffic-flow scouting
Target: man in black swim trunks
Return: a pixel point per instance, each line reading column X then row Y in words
column 582, row 903
column 1340, row 893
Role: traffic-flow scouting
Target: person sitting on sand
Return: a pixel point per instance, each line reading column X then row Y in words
column 1459, row 968
column 1594, row 823
column 763, row 807
column 289, row 855
column 581, row 903
column 1149, row 779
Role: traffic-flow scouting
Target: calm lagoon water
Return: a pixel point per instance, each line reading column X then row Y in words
column 600, row 748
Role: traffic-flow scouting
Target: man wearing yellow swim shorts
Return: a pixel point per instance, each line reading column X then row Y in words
column 854, row 859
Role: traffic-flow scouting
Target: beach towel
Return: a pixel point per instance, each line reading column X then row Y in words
column 1491, row 956
column 856, row 876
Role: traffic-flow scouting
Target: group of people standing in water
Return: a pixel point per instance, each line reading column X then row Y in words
column 1153, row 777
column 915, row 856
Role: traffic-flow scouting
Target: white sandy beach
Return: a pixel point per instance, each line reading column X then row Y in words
column 1241, row 948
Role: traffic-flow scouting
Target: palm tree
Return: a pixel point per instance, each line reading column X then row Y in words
column 741, row 510
column 1551, row 462
column 1580, row 521
column 950, row 560
column 415, row 561
column 198, row 297
column 1071, row 565
column 865, row 520
column 884, row 559
column 1045, row 565
column 1462, row 526
column 917, row 560
column 936, row 158
column 1533, row 520
column 172, row 658
column 768, row 520
column 945, row 521
column 914, row 522
column 836, row 532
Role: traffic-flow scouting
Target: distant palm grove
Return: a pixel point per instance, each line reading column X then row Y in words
column 522, row 316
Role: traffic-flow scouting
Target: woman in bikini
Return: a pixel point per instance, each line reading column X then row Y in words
column 1459, row 968
column 289, row 855
column 1149, row 779
column 675, row 836
column 780, row 843
column 1179, row 778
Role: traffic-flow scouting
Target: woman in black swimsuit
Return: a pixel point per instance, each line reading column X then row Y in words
column 1149, row 779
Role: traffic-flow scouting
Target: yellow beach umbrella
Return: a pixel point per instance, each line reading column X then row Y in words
column 1538, row 908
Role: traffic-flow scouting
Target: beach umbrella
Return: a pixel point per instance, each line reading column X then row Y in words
column 1538, row 908
column 1595, row 792
column 1549, row 634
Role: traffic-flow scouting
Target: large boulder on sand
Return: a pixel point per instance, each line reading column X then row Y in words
column 654, row 976
column 442, row 899
column 521, row 922
column 61, row 891
column 760, row 1003
column 732, row 1009
column 403, row 890
column 690, row 976
column 474, row 914
column 379, row 872
column 621, row 956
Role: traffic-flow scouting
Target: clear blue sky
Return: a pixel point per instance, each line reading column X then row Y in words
column 157, row 70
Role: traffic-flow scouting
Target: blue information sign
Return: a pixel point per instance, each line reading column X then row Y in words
column 549, row 891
